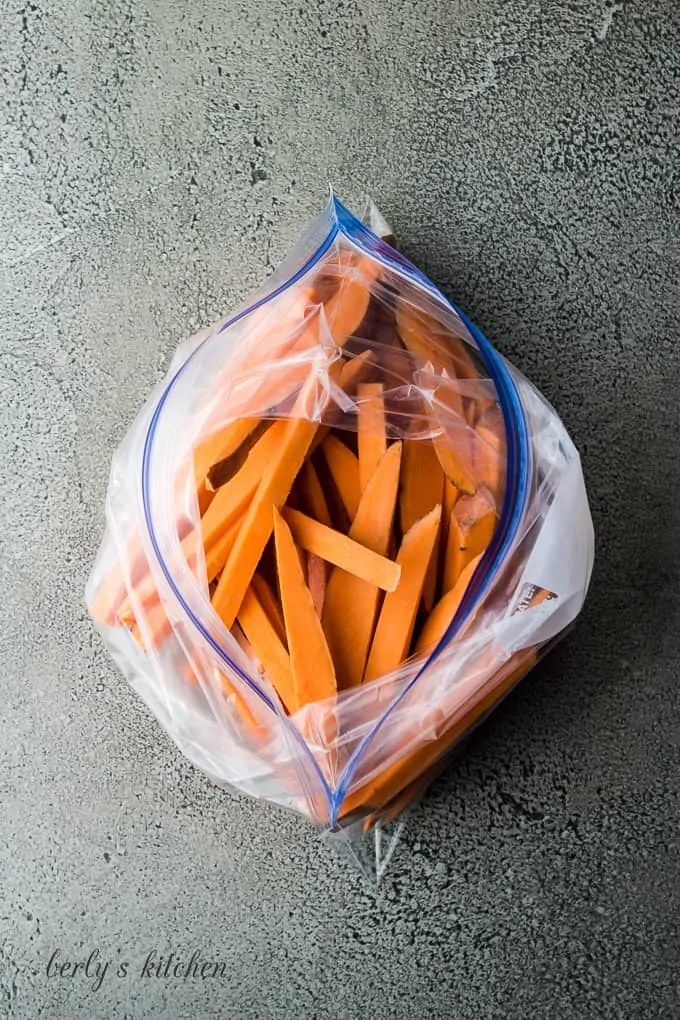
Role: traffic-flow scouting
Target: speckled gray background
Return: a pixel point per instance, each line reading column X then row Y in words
column 157, row 159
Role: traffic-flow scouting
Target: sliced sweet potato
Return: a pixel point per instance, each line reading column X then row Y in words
column 342, row 551
column 443, row 613
column 393, row 632
column 268, row 647
column 421, row 489
column 317, row 575
column 344, row 468
column 372, row 438
column 232, row 499
column 269, row 602
column 220, row 445
column 347, row 306
column 452, row 466
column 471, row 527
column 451, row 495
column 155, row 629
column 351, row 604
column 312, row 665
column 312, row 495
column 275, row 484
column 422, row 336
column 225, row 468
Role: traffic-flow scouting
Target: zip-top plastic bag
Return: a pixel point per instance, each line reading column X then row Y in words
column 339, row 532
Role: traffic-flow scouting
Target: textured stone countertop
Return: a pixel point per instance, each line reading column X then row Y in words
column 157, row 159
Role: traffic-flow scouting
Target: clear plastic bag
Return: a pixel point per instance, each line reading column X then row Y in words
column 351, row 376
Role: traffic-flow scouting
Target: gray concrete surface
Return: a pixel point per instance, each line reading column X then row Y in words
column 157, row 160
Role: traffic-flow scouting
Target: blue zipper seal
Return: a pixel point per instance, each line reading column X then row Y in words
column 518, row 464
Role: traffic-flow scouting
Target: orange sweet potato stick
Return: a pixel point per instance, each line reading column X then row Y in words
column 268, row 647
column 421, row 485
column 215, row 558
column 451, row 465
column 351, row 372
column 394, row 629
column 312, row 494
column 372, row 438
column 269, row 602
column 217, row 447
column 275, row 484
column 443, row 613
column 354, row 370
column 422, row 488
column 233, row 498
column 313, row 671
column 420, row 334
column 351, row 604
column 224, row 469
column 342, row 551
column 154, row 630
column 451, row 495
column 344, row 468
column 347, row 306
column 471, row 527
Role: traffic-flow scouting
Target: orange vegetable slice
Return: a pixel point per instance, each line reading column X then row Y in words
column 344, row 469
column 268, row 647
column 351, row 605
column 275, row 484
column 372, row 438
column 443, row 613
column 312, row 494
column 422, row 488
column 471, row 527
column 313, row 670
column 269, row 602
column 342, row 551
column 394, row 629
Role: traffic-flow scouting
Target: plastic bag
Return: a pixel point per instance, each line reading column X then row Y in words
column 338, row 533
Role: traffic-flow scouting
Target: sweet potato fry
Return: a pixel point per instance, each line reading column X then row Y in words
column 270, row 604
column 275, row 484
column 443, row 613
column 344, row 469
column 351, row 604
column 342, row 551
column 232, row 499
column 392, row 638
column 421, row 489
column 317, row 574
column 220, row 445
column 154, row 629
column 313, row 671
column 268, row 647
column 224, row 469
column 312, row 495
column 347, row 306
column 471, row 527
column 372, row 438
